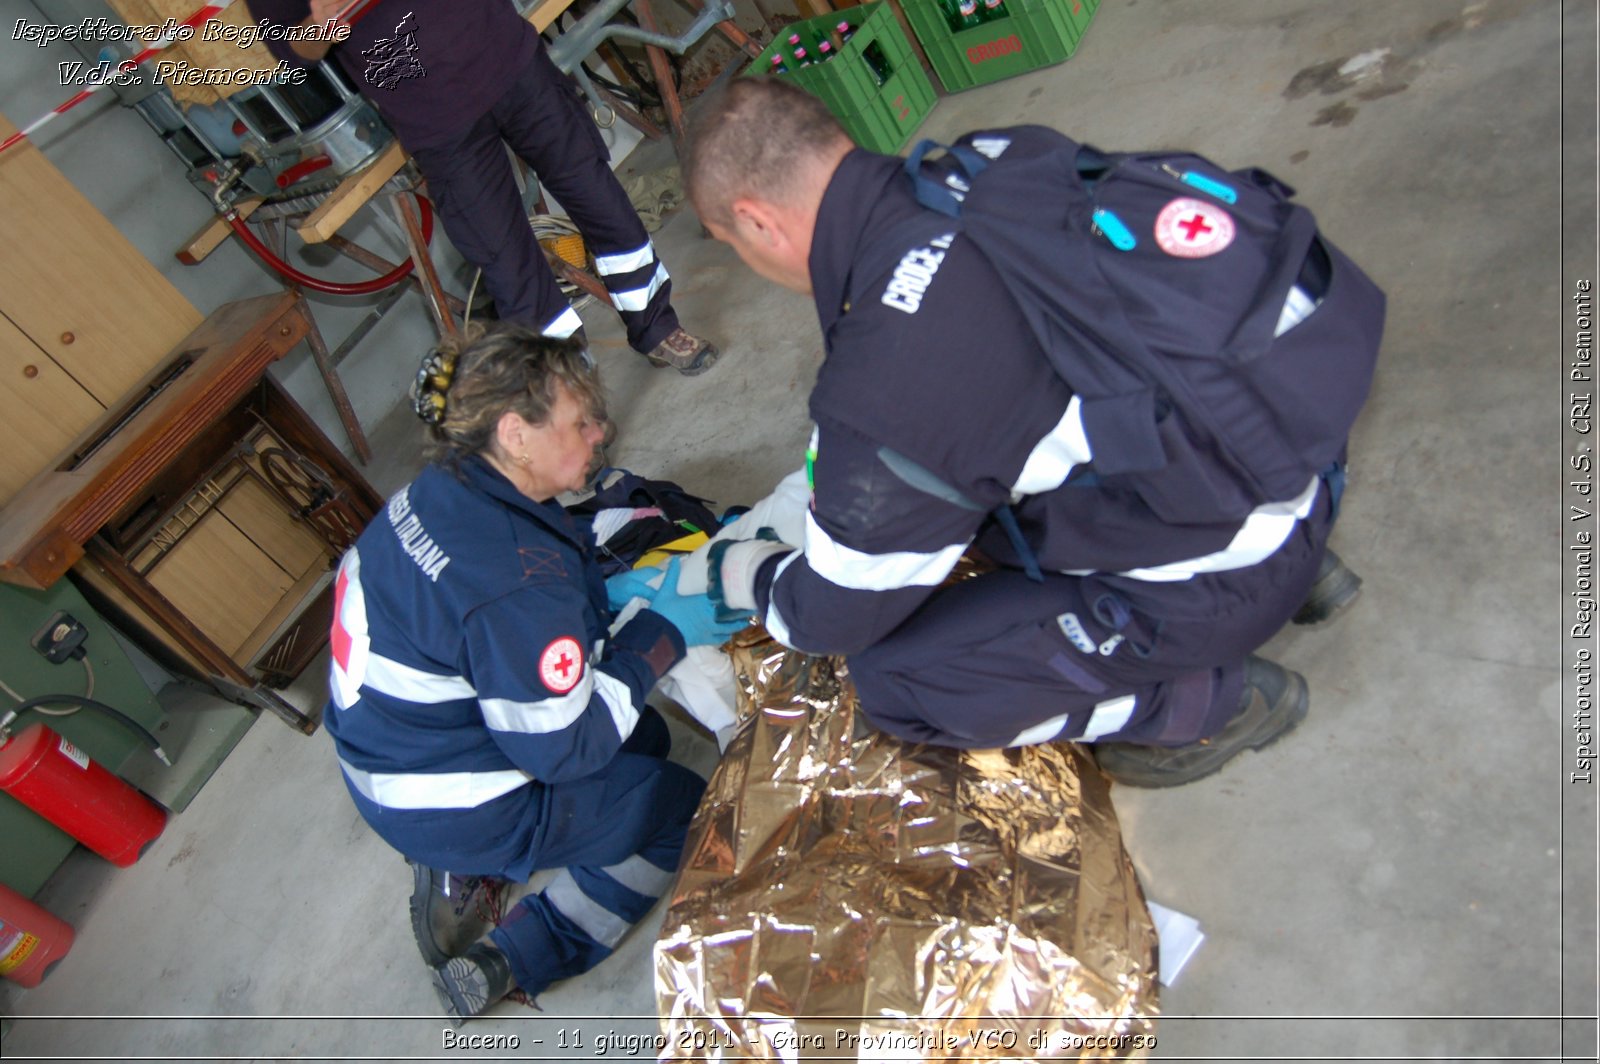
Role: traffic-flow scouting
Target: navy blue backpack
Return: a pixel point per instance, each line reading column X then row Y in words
column 1220, row 346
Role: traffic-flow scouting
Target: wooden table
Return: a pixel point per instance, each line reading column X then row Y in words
column 206, row 507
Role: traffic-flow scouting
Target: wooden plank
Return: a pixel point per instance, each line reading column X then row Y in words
column 212, row 556
column 45, row 409
column 310, row 584
column 352, row 193
column 209, row 237
column 75, row 285
column 137, row 622
column 259, row 514
column 547, row 12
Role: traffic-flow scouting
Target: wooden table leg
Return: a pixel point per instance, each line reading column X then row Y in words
column 406, row 208
column 380, row 265
column 662, row 71
column 335, row 386
column 582, row 278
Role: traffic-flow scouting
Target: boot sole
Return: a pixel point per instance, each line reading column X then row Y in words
column 704, row 361
column 454, row 1007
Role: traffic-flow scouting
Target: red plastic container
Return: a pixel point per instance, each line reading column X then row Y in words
column 32, row 940
column 58, row 781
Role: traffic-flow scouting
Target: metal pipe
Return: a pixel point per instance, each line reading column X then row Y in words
column 569, row 49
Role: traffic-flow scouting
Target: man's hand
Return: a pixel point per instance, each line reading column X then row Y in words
column 322, row 12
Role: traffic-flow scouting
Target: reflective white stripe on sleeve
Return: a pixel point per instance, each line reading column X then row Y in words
column 565, row 324
column 1266, row 529
column 639, row 298
column 1054, row 457
column 1042, row 732
column 640, row 876
column 776, row 626
column 619, row 699
column 1108, row 718
column 596, row 921
column 389, row 677
column 433, row 790
column 542, row 716
column 625, row 261
column 851, row 568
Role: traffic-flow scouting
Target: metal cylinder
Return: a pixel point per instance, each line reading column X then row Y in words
column 32, row 940
column 55, row 779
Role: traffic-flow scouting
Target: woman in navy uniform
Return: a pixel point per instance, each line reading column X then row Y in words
column 487, row 719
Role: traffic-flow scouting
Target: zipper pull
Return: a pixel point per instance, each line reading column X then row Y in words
column 1111, row 227
column 1206, row 184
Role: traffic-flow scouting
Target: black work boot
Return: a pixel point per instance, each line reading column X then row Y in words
column 1336, row 587
column 449, row 912
column 1275, row 700
column 469, row 984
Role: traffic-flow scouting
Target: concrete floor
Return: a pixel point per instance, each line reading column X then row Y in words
column 1412, row 858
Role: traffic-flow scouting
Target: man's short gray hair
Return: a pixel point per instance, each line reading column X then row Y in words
column 754, row 138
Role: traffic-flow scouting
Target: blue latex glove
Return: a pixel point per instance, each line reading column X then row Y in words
column 694, row 616
column 635, row 583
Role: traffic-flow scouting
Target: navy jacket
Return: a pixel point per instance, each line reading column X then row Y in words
column 433, row 67
column 932, row 368
column 472, row 664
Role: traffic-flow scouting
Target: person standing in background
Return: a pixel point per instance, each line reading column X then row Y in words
column 458, row 80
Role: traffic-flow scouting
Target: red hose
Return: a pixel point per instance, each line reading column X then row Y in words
column 358, row 288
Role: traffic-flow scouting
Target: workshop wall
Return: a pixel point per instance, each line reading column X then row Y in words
column 120, row 165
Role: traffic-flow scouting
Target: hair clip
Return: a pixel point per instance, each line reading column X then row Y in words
column 428, row 391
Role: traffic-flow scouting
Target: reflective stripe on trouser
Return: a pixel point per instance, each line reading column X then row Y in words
column 543, row 118
column 1001, row 659
column 616, row 836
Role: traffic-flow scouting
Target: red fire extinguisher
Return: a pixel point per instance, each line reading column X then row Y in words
column 58, row 781
column 32, row 940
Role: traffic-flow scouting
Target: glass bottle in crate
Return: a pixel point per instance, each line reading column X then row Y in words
column 824, row 51
column 960, row 14
column 877, row 62
column 993, row 10
column 778, row 65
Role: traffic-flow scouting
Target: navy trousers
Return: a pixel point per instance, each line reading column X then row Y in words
column 616, row 836
column 473, row 187
column 1000, row 660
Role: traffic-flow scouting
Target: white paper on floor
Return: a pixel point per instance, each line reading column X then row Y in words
column 1180, row 936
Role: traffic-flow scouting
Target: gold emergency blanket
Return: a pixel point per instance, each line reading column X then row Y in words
column 848, row 896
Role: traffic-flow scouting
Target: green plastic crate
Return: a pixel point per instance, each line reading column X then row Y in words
column 878, row 117
column 1032, row 34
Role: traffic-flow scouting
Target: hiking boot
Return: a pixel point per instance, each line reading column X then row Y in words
column 449, row 912
column 1275, row 700
column 1335, row 588
column 469, row 984
column 687, row 354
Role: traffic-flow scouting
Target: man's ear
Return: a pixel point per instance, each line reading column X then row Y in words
column 758, row 220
